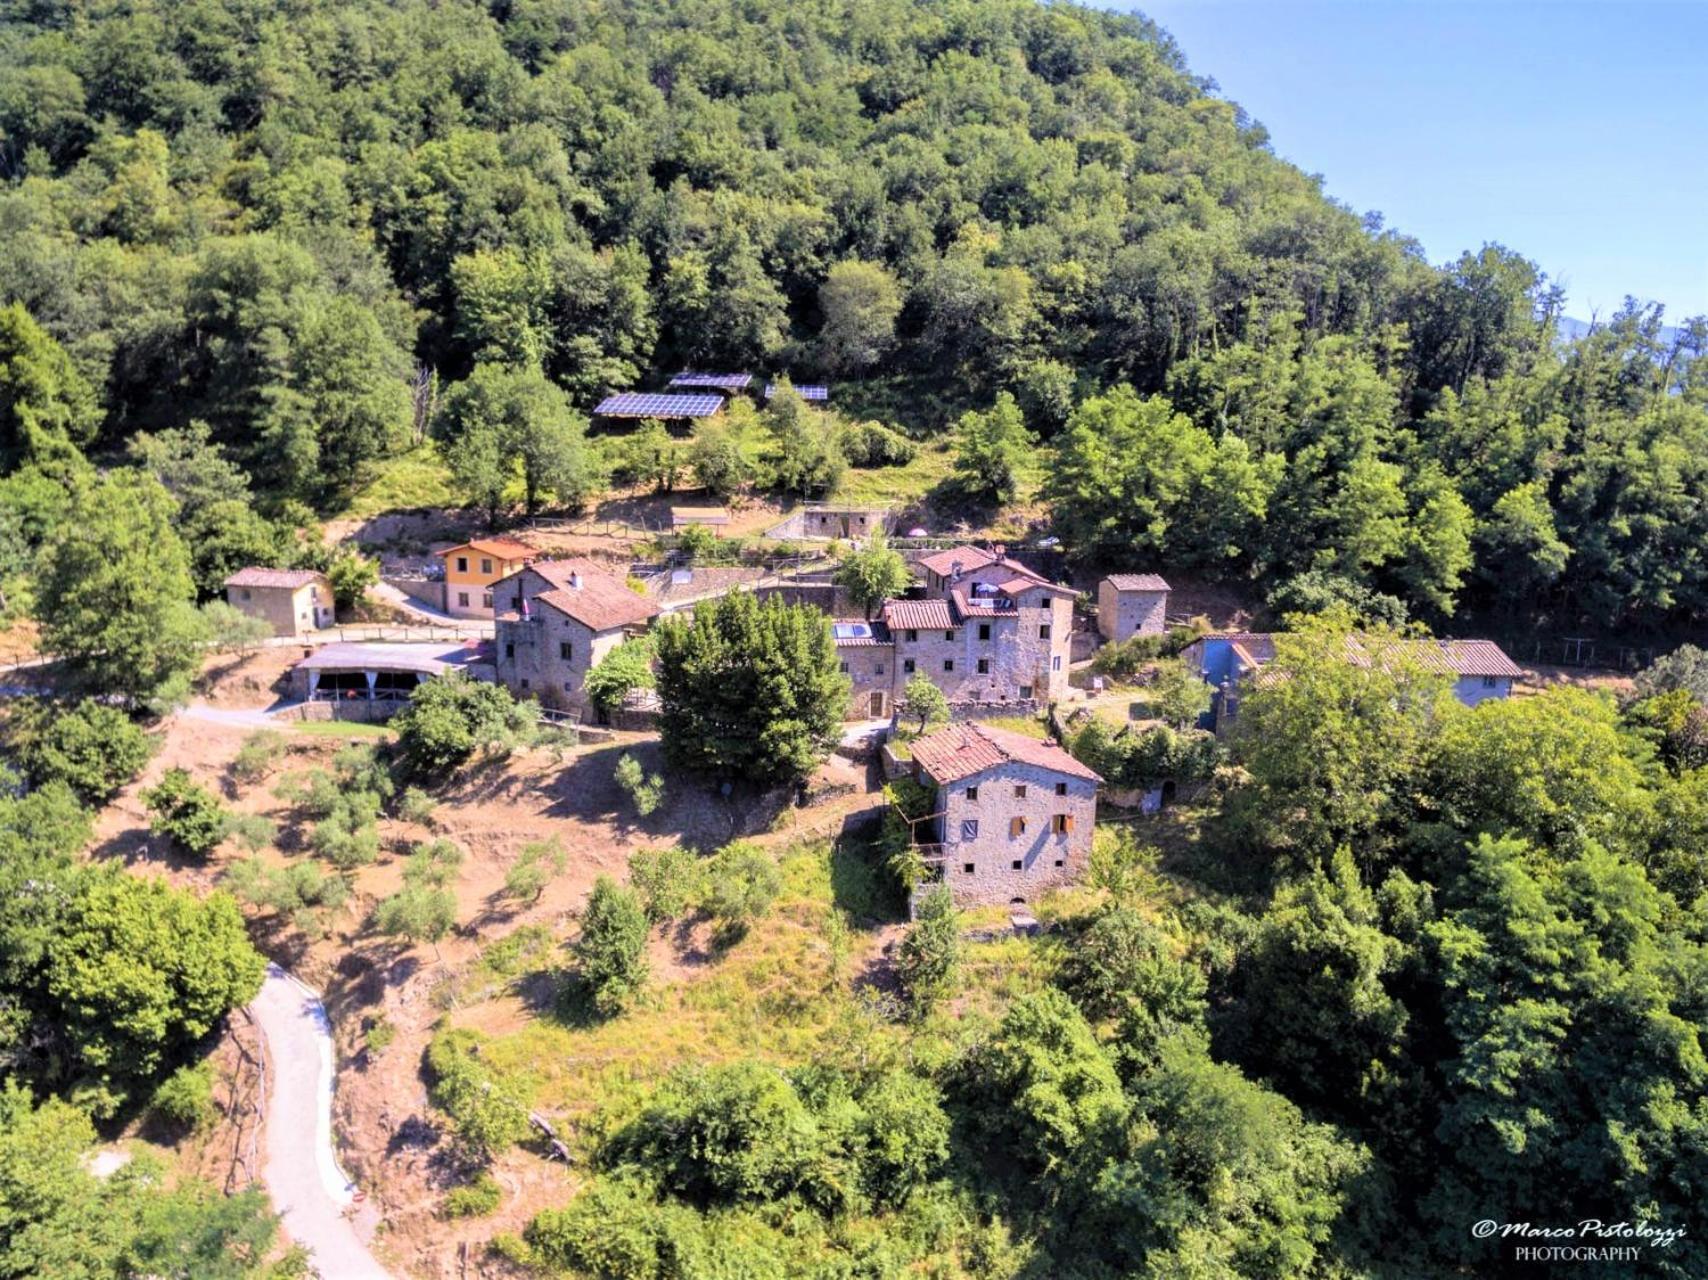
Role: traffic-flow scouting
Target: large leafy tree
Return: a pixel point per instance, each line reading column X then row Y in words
column 749, row 690
column 48, row 411
column 509, row 423
column 115, row 591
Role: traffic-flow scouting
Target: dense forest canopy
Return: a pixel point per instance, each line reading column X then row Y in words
column 289, row 221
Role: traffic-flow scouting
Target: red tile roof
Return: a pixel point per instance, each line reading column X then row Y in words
column 918, row 615
column 597, row 599
column 503, row 548
column 289, row 578
column 1137, row 582
column 962, row 750
column 942, row 563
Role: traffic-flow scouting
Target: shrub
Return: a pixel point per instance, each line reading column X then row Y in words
column 645, row 793
column 449, row 718
column 742, row 884
column 185, row 1098
column 189, row 815
column 379, row 1035
column 250, row 830
column 623, row 669
column 612, row 946
column 927, row 957
column 260, row 752
column 488, row 1112
column 416, row 805
column 474, row 1199
column 871, row 444
column 925, row 702
column 533, row 869
column 668, row 881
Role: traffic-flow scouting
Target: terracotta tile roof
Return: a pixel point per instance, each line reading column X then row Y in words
column 598, row 600
column 1137, row 582
column 1444, row 657
column 503, row 548
column 289, row 578
column 676, row 587
column 918, row 615
column 942, row 563
column 962, row 750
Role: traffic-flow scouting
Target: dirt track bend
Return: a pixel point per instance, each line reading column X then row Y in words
column 301, row 1167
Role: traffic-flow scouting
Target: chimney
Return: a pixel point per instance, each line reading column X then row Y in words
column 574, row 581
column 954, row 571
column 1000, row 551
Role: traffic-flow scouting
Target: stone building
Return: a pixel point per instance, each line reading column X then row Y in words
column 990, row 630
column 831, row 520
column 1131, row 604
column 556, row 620
column 1229, row 661
column 293, row 601
column 1012, row 817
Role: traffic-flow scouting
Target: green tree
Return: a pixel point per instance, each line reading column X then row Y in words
column 48, row 411
column 534, row 868
column 506, row 421
column 669, row 881
column 350, row 574
column 611, row 949
column 185, row 813
column 749, row 690
column 859, row 302
column 806, row 458
column 645, row 793
column 924, row 699
column 718, row 462
column 450, row 718
column 1179, row 695
column 93, row 748
column 742, row 883
column 418, row 912
column 991, row 449
column 115, row 589
column 873, row 573
column 622, row 670
column 930, row 950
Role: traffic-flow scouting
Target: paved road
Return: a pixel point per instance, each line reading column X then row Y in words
column 301, row 1168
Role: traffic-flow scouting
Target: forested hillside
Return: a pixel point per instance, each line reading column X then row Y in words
column 296, row 223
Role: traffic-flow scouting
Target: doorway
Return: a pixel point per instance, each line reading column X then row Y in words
column 877, row 704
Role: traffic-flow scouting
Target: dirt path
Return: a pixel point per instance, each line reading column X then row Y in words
column 301, row 1168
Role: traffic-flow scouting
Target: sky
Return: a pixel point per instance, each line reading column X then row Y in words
column 1567, row 130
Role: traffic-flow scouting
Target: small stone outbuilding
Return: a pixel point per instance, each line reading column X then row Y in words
column 1131, row 604
column 292, row 601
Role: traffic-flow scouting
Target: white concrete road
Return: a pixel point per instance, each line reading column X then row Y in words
column 301, row 1167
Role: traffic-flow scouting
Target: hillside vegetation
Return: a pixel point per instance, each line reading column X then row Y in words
column 300, row 224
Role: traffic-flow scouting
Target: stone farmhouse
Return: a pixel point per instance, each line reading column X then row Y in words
column 556, row 619
column 1228, row 661
column 1131, row 604
column 1013, row 815
column 292, row 601
column 988, row 630
column 471, row 569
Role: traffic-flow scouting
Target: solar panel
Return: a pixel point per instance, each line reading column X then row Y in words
column 852, row 630
column 722, row 381
column 805, row 390
column 649, row 404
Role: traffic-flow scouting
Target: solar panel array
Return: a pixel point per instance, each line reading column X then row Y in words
column 723, row 381
column 648, row 404
column 851, row 630
column 805, row 390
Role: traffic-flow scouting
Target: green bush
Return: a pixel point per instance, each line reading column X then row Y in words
column 533, row 869
column 668, row 881
column 416, row 805
column 645, row 793
column 189, row 815
column 488, row 1112
column 929, row 952
column 742, row 884
column 612, row 946
column 474, row 1199
column 449, row 718
column 257, row 756
column 185, row 1098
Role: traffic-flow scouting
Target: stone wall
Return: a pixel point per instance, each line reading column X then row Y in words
column 1124, row 614
column 1045, row 857
column 429, row 591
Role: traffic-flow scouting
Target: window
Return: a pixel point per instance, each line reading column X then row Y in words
column 1025, row 691
column 524, row 682
column 565, row 650
column 462, row 564
column 1018, row 864
column 462, row 599
column 1060, row 863
column 842, row 667
column 984, row 666
column 486, row 599
column 569, row 686
column 246, row 593
column 949, row 635
column 1044, row 632
column 967, row 868
column 509, row 649
column 877, row 668
column 912, row 634
column 972, row 793
column 1489, row 682
column 1020, row 791
column 486, row 566
column 984, row 631
column 948, row 664
column 1061, row 788
column 516, row 602
column 1016, row 826
column 1056, row 663
column 907, row 666
column 969, row 829
column 1062, row 823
